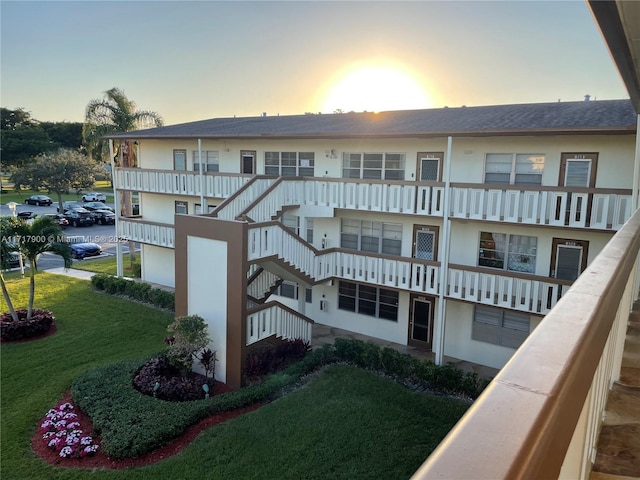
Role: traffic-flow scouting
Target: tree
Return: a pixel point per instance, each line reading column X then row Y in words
column 59, row 172
column 31, row 240
column 22, row 137
column 65, row 134
column 115, row 113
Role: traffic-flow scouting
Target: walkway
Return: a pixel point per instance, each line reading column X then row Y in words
column 618, row 454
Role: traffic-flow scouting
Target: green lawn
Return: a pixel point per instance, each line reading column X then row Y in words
column 347, row 423
column 104, row 265
column 19, row 197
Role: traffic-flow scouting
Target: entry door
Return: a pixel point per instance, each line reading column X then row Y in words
column 425, row 242
column 578, row 170
column 430, row 166
column 248, row 162
column 421, row 321
column 568, row 258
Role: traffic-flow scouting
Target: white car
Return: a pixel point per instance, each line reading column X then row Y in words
column 94, row 197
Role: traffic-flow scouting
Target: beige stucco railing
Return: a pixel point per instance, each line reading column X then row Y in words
column 540, row 416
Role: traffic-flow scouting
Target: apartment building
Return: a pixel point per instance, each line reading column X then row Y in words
column 454, row 230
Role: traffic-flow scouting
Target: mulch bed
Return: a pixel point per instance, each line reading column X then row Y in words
column 53, row 329
column 102, row 460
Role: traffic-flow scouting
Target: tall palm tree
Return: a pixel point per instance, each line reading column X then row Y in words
column 32, row 239
column 115, row 113
column 5, row 252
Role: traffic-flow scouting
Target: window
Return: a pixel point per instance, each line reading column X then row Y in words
column 211, row 161
column 368, row 300
column 309, row 227
column 290, row 290
column 514, row 169
column 500, row 327
column 292, row 222
column 379, row 166
column 182, row 207
column 516, row 253
column 289, row 164
column 198, row 208
column 179, row 159
column 369, row 236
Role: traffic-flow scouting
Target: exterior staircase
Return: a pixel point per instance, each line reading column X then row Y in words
column 261, row 284
column 618, row 455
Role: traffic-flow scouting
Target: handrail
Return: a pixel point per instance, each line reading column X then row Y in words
column 523, row 423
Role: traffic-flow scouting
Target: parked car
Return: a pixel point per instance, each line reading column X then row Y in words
column 39, row 200
column 69, row 205
column 104, row 217
column 86, row 249
column 59, row 219
column 13, row 260
column 26, row 215
column 92, row 206
column 79, row 217
column 94, row 197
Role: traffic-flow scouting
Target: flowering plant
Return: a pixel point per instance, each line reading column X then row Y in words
column 61, row 432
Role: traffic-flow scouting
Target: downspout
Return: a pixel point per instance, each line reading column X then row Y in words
column 116, row 205
column 203, row 208
column 444, row 264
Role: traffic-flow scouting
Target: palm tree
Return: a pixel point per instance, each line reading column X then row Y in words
column 115, row 113
column 5, row 252
column 31, row 240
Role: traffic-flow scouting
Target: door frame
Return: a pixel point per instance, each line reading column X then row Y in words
column 247, row 153
column 432, row 228
column 593, row 156
column 431, row 155
column 556, row 242
column 428, row 299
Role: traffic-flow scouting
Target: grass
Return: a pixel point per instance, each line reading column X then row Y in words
column 104, row 265
column 347, row 423
column 11, row 195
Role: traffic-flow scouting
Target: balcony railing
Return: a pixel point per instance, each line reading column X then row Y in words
column 540, row 416
column 264, row 197
column 151, row 233
column 527, row 293
column 216, row 185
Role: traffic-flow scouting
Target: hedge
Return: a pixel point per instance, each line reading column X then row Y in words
column 135, row 290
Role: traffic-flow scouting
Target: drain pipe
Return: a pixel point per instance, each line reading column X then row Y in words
column 116, row 207
column 444, row 264
column 203, row 208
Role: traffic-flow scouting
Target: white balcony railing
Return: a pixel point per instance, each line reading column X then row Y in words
column 273, row 318
column 263, row 197
column 137, row 230
column 216, row 185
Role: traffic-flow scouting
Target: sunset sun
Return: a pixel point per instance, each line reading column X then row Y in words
column 375, row 89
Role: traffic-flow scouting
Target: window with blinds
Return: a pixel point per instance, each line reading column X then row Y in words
column 514, row 168
column 367, row 236
column 500, row 327
column 373, row 166
column 368, row 300
column 289, row 164
column 210, row 160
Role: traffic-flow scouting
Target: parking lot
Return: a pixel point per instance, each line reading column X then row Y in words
column 103, row 235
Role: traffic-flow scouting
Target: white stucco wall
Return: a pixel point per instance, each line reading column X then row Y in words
column 158, row 265
column 204, row 258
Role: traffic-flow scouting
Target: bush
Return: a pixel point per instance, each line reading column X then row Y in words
column 136, row 269
column 187, row 335
column 173, row 386
column 268, row 360
column 39, row 324
column 140, row 291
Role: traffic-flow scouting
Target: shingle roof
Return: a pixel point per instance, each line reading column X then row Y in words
column 552, row 118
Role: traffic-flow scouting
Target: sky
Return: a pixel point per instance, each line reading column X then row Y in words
column 195, row 60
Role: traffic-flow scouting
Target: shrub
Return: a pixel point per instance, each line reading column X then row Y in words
column 172, row 385
column 136, row 269
column 133, row 289
column 39, row 324
column 187, row 335
column 268, row 360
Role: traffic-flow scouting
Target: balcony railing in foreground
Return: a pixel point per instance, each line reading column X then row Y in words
column 540, row 417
